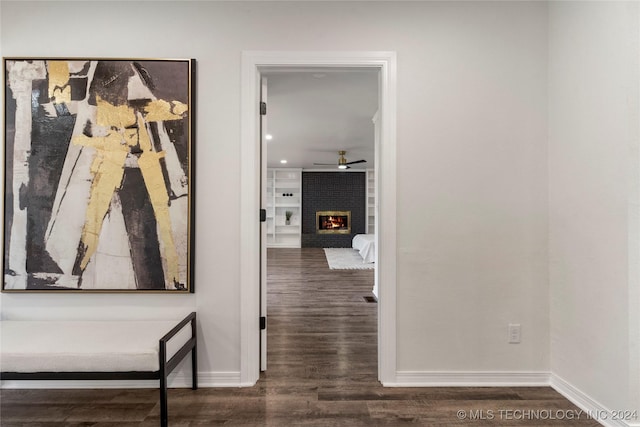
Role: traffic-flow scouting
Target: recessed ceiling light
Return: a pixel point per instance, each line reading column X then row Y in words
column 268, row 137
column 283, row 161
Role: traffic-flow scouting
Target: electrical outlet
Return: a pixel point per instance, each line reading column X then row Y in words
column 514, row 333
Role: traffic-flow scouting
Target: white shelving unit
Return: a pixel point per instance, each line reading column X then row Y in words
column 371, row 202
column 284, row 193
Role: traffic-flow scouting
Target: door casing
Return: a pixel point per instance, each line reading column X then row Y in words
column 253, row 63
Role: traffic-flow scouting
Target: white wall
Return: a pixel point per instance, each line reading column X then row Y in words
column 594, row 178
column 472, row 180
column 472, row 188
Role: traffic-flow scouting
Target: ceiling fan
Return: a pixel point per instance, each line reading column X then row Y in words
column 342, row 161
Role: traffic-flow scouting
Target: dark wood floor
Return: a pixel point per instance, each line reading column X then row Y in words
column 322, row 356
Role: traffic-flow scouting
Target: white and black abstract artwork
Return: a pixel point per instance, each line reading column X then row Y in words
column 98, row 175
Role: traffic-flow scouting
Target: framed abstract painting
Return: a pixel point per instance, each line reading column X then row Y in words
column 98, row 184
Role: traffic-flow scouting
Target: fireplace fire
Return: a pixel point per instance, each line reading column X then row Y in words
column 333, row 222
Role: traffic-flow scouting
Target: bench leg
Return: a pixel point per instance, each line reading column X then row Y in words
column 194, row 368
column 164, row 414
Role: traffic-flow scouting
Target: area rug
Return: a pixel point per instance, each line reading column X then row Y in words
column 346, row 259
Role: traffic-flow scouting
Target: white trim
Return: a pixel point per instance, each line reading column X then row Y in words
column 376, row 135
column 179, row 380
column 470, row 379
column 596, row 410
column 249, row 226
column 385, row 220
column 252, row 63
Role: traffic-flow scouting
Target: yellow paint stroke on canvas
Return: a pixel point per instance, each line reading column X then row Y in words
column 59, row 89
column 108, row 172
column 116, row 122
column 161, row 110
column 124, row 129
column 107, row 169
column 114, row 116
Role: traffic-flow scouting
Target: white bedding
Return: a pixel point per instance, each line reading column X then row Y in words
column 365, row 244
column 85, row 346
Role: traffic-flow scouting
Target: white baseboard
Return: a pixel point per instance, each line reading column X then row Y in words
column 597, row 411
column 177, row 380
column 469, row 379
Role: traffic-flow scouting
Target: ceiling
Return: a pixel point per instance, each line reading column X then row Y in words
column 312, row 113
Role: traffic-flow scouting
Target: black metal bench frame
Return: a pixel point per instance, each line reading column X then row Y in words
column 166, row 367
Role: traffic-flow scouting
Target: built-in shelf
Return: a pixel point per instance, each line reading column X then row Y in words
column 284, row 193
column 370, row 225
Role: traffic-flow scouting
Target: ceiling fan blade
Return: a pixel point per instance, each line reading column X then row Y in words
column 356, row 161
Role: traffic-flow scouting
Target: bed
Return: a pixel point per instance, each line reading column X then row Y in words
column 98, row 350
column 365, row 244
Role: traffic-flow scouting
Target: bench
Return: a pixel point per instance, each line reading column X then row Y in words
column 98, row 350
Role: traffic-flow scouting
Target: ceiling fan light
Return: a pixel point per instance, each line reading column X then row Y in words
column 343, row 167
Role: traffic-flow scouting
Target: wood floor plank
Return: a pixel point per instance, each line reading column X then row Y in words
column 322, row 371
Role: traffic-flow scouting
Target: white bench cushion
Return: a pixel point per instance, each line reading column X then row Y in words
column 85, row 346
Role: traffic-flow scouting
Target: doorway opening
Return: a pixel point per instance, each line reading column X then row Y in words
column 318, row 128
column 254, row 64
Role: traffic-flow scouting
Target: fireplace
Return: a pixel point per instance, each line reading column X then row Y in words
column 333, row 222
